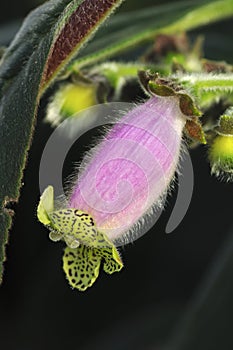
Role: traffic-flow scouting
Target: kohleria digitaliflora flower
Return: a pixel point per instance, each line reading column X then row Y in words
column 118, row 187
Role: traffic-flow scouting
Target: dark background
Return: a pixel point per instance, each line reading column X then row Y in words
column 139, row 307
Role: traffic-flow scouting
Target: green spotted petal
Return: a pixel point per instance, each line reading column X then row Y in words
column 76, row 224
column 112, row 260
column 81, row 266
column 80, row 226
column 46, row 206
column 110, row 255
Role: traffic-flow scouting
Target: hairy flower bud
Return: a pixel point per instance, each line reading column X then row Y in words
column 69, row 100
column 221, row 149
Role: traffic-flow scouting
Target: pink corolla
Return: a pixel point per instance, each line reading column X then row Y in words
column 120, row 183
column 127, row 174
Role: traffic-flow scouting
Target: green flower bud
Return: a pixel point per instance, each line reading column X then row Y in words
column 221, row 149
column 69, row 100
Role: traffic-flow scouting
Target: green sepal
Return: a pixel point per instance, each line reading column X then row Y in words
column 194, row 130
column 187, row 106
column 160, row 90
column 225, row 126
column 166, row 87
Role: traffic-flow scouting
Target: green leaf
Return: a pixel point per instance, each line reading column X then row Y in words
column 143, row 25
column 48, row 39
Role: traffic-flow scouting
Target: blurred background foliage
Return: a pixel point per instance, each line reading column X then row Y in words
column 175, row 291
column 12, row 9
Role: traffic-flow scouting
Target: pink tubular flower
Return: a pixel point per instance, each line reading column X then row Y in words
column 125, row 176
column 121, row 182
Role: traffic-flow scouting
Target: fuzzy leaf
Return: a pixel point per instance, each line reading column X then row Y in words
column 50, row 36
